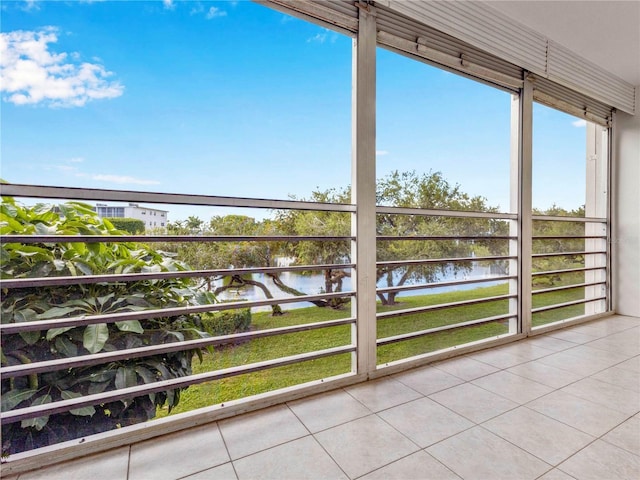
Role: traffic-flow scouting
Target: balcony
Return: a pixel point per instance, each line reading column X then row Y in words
column 528, row 369
column 565, row 404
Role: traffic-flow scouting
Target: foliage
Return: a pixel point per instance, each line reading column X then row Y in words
column 555, row 228
column 408, row 190
column 70, row 300
column 226, row 322
column 429, row 191
column 131, row 225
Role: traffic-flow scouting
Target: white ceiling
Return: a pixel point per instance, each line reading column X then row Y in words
column 605, row 32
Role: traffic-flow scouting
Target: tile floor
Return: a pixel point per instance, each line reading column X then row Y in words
column 560, row 406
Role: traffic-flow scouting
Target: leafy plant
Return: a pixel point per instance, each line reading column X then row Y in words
column 131, row 225
column 21, row 260
column 226, row 322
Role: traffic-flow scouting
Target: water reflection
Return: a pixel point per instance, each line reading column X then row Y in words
column 312, row 284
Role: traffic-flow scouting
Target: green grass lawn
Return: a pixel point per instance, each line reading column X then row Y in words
column 257, row 350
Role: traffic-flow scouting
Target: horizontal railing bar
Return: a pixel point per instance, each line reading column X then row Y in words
column 567, row 287
column 566, row 304
column 557, row 218
column 388, row 238
column 134, row 277
column 560, row 254
column 443, row 260
column 105, row 357
column 28, row 239
column 13, row 416
column 422, row 333
column 429, row 212
column 101, row 195
column 84, row 320
column 567, row 237
column 568, row 270
column 443, row 284
column 442, row 306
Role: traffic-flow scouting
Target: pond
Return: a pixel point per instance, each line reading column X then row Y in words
column 313, row 283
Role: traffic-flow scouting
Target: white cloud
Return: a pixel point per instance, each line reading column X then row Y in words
column 579, row 123
column 381, row 153
column 214, row 12
column 168, row 4
column 31, row 5
column 317, row 38
column 32, row 74
column 121, row 179
column 76, row 160
column 323, row 36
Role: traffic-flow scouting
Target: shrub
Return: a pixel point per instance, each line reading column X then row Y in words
column 130, row 225
column 226, row 322
column 68, row 300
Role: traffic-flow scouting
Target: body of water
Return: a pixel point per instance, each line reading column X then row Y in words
column 312, row 284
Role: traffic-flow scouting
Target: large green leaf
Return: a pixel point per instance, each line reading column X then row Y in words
column 59, row 312
column 95, row 336
column 14, row 397
column 130, row 326
column 39, row 422
column 126, row 377
column 54, row 332
column 66, row 347
column 87, row 411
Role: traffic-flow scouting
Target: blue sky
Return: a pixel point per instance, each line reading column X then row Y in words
column 236, row 99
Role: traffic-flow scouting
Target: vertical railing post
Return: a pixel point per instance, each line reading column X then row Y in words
column 363, row 189
column 521, row 203
column 596, row 205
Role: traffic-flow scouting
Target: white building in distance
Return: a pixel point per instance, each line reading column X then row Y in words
column 152, row 217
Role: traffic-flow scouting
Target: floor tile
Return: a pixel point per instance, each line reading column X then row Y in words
column 589, row 417
column 601, row 460
column 510, row 355
column 178, row 454
column 539, row 435
column 620, row 377
column 328, row 410
column 550, row 343
column 513, row 387
column 260, row 430
column 556, row 474
column 381, row 394
column 221, row 472
column 111, row 465
column 569, row 335
column 479, row 454
column 364, row 445
column 473, row 402
column 628, row 344
column 425, row 421
column 465, row 368
column 300, row 459
column 587, row 353
column 575, row 363
column 545, row 374
column 427, row 380
column 497, row 358
column 612, row 396
column 626, row 436
column 419, row 465
column 632, row 364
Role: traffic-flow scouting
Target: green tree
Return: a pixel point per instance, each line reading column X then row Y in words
column 71, row 300
column 429, row 191
column 555, row 228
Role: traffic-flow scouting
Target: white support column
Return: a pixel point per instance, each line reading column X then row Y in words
column 596, row 205
column 521, row 203
column 363, row 189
